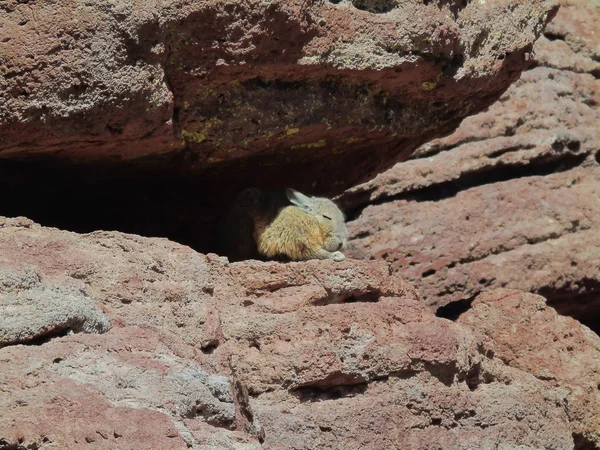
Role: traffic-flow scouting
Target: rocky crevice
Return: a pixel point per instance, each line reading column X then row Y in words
column 535, row 167
column 153, row 122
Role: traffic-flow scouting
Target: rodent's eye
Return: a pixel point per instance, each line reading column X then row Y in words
column 327, row 217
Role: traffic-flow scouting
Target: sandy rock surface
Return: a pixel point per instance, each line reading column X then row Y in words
column 205, row 354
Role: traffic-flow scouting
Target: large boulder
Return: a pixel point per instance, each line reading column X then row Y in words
column 201, row 353
column 150, row 116
column 512, row 198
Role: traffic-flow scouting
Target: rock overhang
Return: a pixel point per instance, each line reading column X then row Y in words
column 198, row 100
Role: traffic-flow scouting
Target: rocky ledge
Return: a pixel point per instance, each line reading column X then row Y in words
column 143, row 343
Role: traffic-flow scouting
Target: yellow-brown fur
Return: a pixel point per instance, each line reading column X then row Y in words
column 283, row 224
column 292, row 232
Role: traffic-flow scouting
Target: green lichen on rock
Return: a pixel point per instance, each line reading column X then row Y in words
column 429, row 85
column 191, row 136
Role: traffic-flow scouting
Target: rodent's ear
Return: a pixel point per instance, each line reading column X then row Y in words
column 300, row 200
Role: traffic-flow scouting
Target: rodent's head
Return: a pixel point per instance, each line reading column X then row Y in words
column 331, row 220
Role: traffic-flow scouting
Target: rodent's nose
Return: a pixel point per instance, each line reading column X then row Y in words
column 340, row 246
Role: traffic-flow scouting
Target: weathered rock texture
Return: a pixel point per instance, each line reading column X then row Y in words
column 210, row 355
column 512, row 198
column 123, row 107
column 32, row 310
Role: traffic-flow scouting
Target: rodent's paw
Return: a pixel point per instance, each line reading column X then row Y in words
column 338, row 256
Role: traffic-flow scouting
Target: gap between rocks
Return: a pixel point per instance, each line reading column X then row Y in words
column 580, row 301
column 581, row 442
column 164, row 201
column 44, row 338
column 349, row 297
column 453, row 310
column 583, row 307
column 5, row 445
column 482, row 177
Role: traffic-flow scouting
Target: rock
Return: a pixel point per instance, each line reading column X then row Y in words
column 492, row 235
column 203, row 353
column 123, row 390
column 510, row 199
column 32, row 310
column 151, row 117
column 530, row 336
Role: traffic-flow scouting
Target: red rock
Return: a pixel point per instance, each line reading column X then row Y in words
column 511, row 198
column 492, row 235
column 202, row 353
column 308, row 355
column 35, row 311
column 530, row 336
